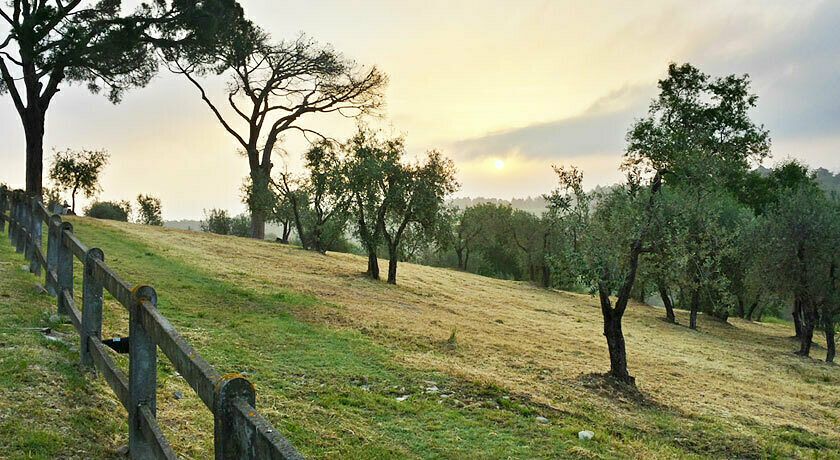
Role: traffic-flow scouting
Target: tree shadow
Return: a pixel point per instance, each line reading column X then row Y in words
column 607, row 386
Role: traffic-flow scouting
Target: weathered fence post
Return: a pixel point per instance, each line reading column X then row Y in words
column 3, row 199
column 91, row 305
column 232, row 440
column 35, row 232
column 20, row 231
column 28, row 241
column 53, row 242
column 142, row 372
column 12, row 209
column 64, row 267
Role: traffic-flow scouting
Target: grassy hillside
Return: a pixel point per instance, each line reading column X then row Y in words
column 348, row 367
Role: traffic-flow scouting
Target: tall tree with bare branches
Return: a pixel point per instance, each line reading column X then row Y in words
column 272, row 87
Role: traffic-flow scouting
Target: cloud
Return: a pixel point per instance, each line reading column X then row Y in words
column 793, row 62
column 599, row 130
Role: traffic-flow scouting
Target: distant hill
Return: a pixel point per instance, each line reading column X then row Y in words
column 183, row 224
column 829, row 181
column 532, row 204
column 195, row 225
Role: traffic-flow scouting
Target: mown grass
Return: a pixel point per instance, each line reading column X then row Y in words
column 49, row 408
column 336, row 391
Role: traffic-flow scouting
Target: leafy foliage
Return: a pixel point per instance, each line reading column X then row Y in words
column 148, row 210
column 111, row 210
column 78, row 171
column 216, row 221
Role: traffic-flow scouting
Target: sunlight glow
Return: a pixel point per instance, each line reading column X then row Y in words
column 500, row 164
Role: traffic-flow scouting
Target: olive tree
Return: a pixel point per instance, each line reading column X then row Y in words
column 698, row 135
column 415, row 194
column 319, row 202
column 374, row 166
column 800, row 237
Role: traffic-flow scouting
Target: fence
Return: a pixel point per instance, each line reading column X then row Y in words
column 240, row 432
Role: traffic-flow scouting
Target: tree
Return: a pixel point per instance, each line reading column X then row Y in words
column 271, row 89
column 91, row 43
column 415, row 194
column 320, row 202
column 216, row 221
column 699, row 137
column 373, row 166
column 148, row 210
column 800, row 241
column 801, row 234
column 530, row 234
column 78, row 171
column 282, row 213
column 618, row 234
column 459, row 232
column 566, row 220
column 240, row 225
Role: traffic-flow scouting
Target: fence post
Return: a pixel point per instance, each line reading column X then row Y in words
column 20, row 231
column 12, row 210
column 3, row 198
column 35, row 231
column 91, row 306
column 230, row 439
column 142, row 372
column 64, row 268
column 53, row 242
column 28, row 238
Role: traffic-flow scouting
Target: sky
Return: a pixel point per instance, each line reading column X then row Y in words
column 504, row 88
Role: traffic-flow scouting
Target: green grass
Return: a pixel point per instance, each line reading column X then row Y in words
column 334, row 393
column 48, row 407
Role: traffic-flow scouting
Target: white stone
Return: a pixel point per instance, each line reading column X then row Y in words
column 585, row 435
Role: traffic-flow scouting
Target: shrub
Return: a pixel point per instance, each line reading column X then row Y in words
column 111, row 210
column 216, row 221
column 241, row 225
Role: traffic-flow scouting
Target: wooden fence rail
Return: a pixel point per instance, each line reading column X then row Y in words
column 240, row 432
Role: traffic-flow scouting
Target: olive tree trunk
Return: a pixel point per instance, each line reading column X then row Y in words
column 669, row 305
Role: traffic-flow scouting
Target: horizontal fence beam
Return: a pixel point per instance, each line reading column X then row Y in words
column 105, row 364
column 198, row 373
column 265, row 440
column 112, row 283
column 76, row 247
column 70, row 309
column 151, row 432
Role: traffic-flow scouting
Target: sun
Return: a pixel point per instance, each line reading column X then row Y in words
column 500, row 164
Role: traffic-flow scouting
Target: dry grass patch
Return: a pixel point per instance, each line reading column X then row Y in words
column 530, row 341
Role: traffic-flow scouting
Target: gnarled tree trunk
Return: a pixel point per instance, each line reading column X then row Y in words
column 666, row 300
column 797, row 317
column 373, row 264
column 392, row 263
column 617, row 348
column 695, row 307
column 809, row 322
